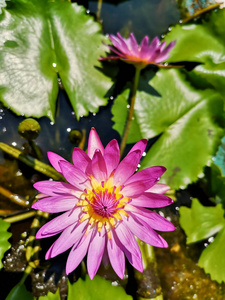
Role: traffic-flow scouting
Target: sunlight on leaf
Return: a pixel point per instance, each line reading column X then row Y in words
column 96, row 289
column 41, row 39
column 188, row 122
column 51, row 296
column 4, row 236
column 200, row 222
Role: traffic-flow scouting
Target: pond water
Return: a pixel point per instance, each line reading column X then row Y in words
column 179, row 275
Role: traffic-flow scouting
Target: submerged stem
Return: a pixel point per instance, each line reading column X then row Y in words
column 148, row 283
column 131, row 110
column 14, row 197
column 99, row 8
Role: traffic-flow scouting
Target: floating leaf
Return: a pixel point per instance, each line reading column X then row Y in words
column 40, row 39
column 19, row 292
column 4, row 236
column 212, row 259
column 96, row 289
column 51, row 296
column 186, row 120
column 200, row 222
column 203, row 43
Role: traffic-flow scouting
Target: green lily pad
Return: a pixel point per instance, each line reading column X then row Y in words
column 4, row 236
column 19, row 292
column 96, row 289
column 212, row 259
column 41, row 40
column 203, row 43
column 187, row 121
column 2, row 4
column 200, row 222
column 51, row 296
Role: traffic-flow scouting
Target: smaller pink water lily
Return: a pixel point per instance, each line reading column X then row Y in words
column 139, row 55
column 104, row 204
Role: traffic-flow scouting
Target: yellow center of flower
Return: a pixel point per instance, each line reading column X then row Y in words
column 103, row 204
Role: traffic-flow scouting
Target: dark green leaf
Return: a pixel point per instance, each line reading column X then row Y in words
column 96, row 289
column 4, row 236
column 19, row 292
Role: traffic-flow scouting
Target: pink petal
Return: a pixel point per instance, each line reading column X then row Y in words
column 54, row 188
column 80, row 158
column 144, row 48
column 153, row 219
column 126, row 167
column 74, row 175
column 134, row 260
column 98, row 167
column 149, row 173
column 116, row 255
column 137, row 188
column 133, row 45
column 154, row 44
column 77, row 253
column 141, row 145
column 151, row 200
column 94, row 143
column 112, row 156
column 56, row 204
column 58, row 224
column 71, row 236
column 147, row 235
column 127, row 239
column 165, row 53
column 159, row 188
column 54, row 160
column 95, row 253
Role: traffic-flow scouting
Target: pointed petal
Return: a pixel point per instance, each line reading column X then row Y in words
column 56, row 204
column 112, row 156
column 145, row 234
column 165, row 53
column 159, row 188
column 95, row 253
column 140, row 145
column 153, row 219
column 144, row 53
column 74, row 175
column 54, row 160
column 54, row 188
column 127, row 239
column 151, row 200
column 94, row 143
column 133, row 45
column 80, row 159
column 149, row 173
column 59, row 223
column 77, row 253
column 98, row 167
column 116, row 255
column 127, row 167
column 134, row 260
column 71, row 236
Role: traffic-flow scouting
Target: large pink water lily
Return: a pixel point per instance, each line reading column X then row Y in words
column 104, row 204
column 139, row 55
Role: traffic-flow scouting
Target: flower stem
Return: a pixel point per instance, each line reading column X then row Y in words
column 131, row 110
column 14, row 197
column 148, row 283
column 99, row 8
column 31, row 162
column 20, row 217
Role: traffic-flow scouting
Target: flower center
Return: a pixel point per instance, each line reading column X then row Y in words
column 104, row 204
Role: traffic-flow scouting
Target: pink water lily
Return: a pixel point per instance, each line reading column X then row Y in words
column 139, row 55
column 104, row 204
